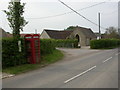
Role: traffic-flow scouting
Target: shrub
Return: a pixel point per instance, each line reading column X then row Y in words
column 10, row 54
column 12, row 57
column 69, row 43
column 104, row 43
column 47, row 46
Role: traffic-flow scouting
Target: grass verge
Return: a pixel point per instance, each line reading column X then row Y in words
column 45, row 60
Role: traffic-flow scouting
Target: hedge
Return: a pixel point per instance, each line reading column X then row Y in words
column 104, row 43
column 47, row 46
column 68, row 43
column 10, row 54
column 12, row 57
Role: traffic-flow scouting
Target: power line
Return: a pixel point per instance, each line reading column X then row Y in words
column 80, row 14
column 91, row 6
column 67, row 12
column 109, row 13
column 49, row 16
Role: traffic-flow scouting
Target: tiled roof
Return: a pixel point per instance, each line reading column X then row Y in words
column 55, row 34
column 58, row 34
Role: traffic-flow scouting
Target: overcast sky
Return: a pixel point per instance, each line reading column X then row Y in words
column 44, row 14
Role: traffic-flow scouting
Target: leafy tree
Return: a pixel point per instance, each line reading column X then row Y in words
column 15, row 17
column 111, row 32
column 71, row 27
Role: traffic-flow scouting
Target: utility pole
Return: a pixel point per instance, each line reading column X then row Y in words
column 99, row 25
column 35, row 31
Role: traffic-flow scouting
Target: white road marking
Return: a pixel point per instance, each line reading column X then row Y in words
column 117, row 53
column 107, row 59
column 7, row 76
column 79, row 74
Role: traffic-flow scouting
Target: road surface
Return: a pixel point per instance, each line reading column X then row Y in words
column 81, row 68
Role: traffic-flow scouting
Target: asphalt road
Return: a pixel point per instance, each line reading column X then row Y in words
column 81, row 68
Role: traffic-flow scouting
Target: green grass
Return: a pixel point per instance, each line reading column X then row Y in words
column 45, row 60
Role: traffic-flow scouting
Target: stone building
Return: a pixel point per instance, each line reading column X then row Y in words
column 83, row 35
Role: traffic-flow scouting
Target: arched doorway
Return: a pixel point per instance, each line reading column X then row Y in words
column 78, row 38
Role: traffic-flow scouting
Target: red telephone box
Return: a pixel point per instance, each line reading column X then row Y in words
column 32, row 44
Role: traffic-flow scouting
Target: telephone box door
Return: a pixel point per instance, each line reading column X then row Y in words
column 32, row 44
column 37, row 47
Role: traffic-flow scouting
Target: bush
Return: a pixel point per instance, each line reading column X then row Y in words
column 10, row 54
column 68, row 43
column 47, row 46
column 12, row 57
column 104, row 43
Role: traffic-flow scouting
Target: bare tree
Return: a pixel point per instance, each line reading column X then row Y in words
column 112, row 32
